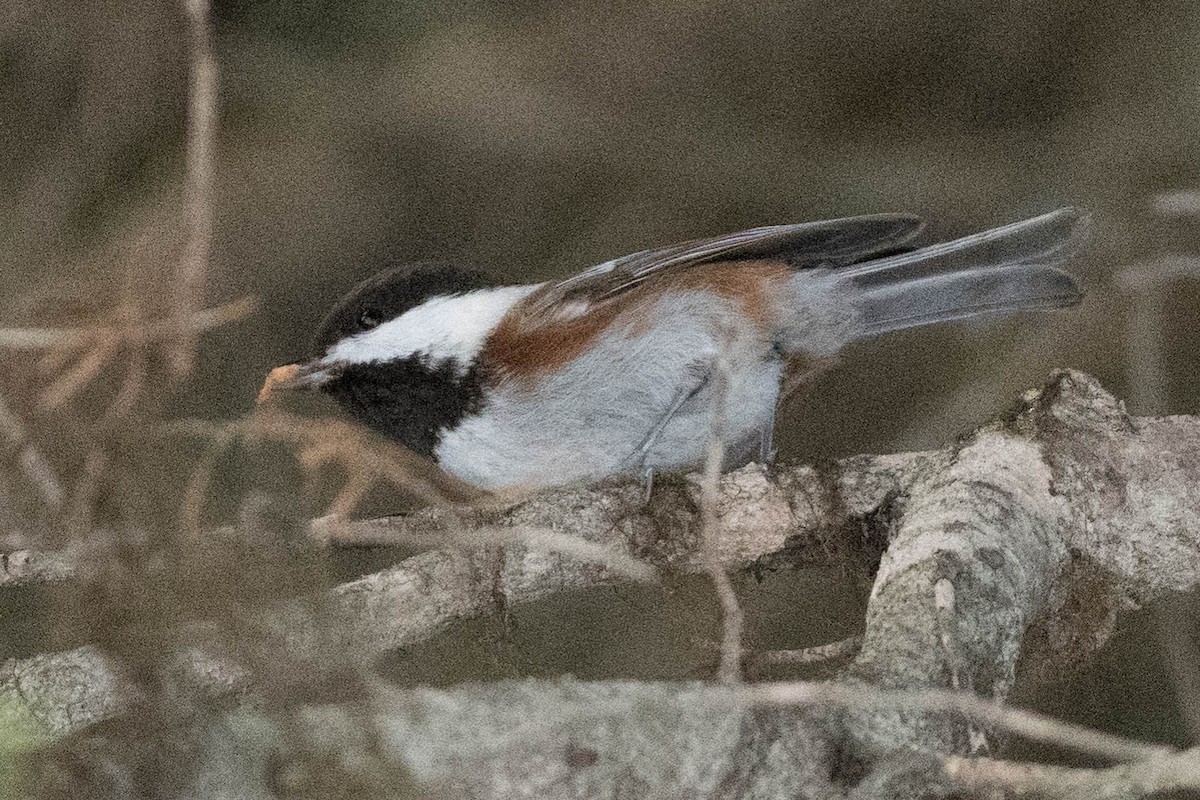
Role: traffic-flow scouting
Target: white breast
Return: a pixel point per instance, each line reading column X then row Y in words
column 587, row 419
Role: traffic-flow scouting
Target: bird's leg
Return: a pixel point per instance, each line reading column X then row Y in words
column 640, row 454
column 766, row 445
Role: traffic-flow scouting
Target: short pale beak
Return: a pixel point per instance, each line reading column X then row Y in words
column 310, row 375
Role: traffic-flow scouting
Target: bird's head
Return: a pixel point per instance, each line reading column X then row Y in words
column 399, row 352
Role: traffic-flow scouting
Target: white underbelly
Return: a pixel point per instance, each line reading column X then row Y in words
column 497, row 450
column 749, row 409
column 603, row 413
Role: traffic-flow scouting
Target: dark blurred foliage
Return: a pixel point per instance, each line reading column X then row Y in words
column 536, row 138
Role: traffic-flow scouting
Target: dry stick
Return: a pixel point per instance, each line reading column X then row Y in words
column 205, row 319
column 191, row 511
column 56, row 358
column 65, row 342
column 843, row 648
column 83, row 494
column 40, row 338
column 196, row 323
column 343, row 441
column 133, row 382
column 198, row 203
column 331, row 529
column 732, row 618
column 103, row 343
column 359, row 482
column 21, row 567
column 319, row 443
column 86, row 370
column 35, row 466
column 972, row 707
column 132, row 385
column 40, row 566
column 988, row 777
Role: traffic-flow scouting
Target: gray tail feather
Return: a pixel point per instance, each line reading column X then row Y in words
column 1013, row 268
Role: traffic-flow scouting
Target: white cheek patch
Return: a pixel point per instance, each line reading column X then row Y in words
column 440, row 329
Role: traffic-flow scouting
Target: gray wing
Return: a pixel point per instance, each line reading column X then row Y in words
column 829, row 243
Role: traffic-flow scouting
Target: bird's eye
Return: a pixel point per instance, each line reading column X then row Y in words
column 367, row 320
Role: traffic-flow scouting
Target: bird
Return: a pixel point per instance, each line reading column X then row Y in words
column 639, row 364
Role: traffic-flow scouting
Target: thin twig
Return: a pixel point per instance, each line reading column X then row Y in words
column 987, row 777
column 359, row 482
column 195, row 493
column 198, row 193
column 21, row 567
column 37, row 469
column 332, row 530
column 83, row 494
column 205, row 319
column 33, row 566
column 1027, row 724
column 57, row 341
column 317, row 443
column 817, row 654
column 73, row 380
column 40, row 338
column 134, row 381
column 732, row 618
column 132, row 385
column 78, row 356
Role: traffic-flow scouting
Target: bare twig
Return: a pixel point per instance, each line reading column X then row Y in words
column 39, row 338
column 204, row 319
column 83, row 494
column 971, row 707
column 73, row 380
column 37, row 469
column 191, row 510
column 1160, row 776
column 324, row 441
column 732, row 618
column 79, row 355
column 40, row 566
column 334, row 530
column 318, row 443
column 843, row 648
column 1178, row 204
column 132, row 385
column 32, row 566
column 198, row 193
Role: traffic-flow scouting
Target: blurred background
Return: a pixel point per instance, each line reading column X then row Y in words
column 532, row 139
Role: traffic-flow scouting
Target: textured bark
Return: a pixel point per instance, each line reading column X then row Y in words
column 1009, row 553
column 31, row 566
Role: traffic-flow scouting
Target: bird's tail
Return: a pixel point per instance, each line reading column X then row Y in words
column 1007, row 269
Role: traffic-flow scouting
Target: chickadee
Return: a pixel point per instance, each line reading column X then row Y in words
column 622, row 367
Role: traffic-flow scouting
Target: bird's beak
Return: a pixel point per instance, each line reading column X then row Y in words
column 309, row 375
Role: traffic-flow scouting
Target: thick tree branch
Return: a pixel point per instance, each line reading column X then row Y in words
column 1008, row 553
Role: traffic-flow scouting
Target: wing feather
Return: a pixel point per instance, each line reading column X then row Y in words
column 829, row 243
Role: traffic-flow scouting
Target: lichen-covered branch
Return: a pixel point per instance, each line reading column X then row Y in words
column 1005, row 555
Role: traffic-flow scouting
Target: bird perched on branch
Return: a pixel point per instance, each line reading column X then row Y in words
column 636, row 364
